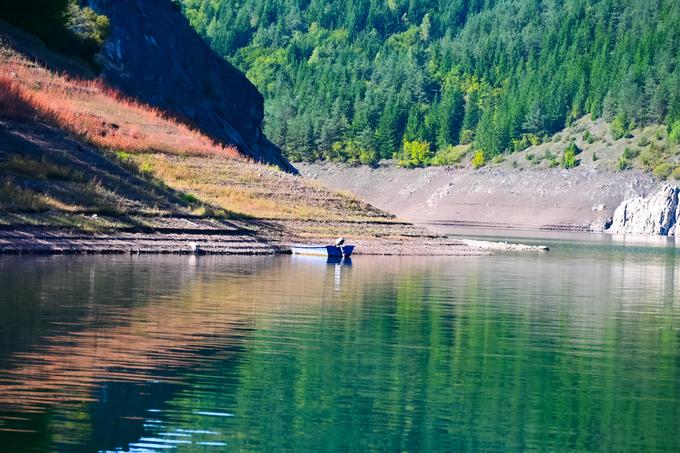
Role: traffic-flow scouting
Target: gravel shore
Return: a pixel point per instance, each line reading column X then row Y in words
column 232, row 238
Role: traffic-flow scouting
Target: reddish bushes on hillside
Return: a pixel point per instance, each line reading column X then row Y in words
column 94, row 112
column 12, row 105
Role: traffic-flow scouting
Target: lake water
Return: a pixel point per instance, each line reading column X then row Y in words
column 573, row 350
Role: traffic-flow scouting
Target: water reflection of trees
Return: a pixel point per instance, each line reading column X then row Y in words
column 471, row 355
column 437, row 354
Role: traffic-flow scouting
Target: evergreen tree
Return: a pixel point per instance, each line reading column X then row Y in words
column 414, row 125
column 387, row 135
column 451, row 112
column 446, row 71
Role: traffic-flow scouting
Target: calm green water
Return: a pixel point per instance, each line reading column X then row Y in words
column 575, row 350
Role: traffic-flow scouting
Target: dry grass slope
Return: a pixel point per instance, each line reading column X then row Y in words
column 95, row 113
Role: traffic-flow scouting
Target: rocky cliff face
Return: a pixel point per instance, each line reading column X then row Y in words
column 153, row 54
column 657, row 214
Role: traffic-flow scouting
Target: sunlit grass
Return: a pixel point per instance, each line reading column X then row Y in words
column 89, row 197
column 252, row 190
column 95, row 113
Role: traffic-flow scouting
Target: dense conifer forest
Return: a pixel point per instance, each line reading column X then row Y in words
column 363, row 80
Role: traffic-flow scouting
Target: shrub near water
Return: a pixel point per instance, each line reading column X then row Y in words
column 655, row 155
column 620, row 127
column 353, row 152
column 663, row 171
column 623, row 164
column 674, row 134
column 644, row 141
column 588, row 137
column 467, row 136
column 526, row 141
column 624, row 161
column 550, row 158
column 676, row 173
column 630, row 153
column 498, row 159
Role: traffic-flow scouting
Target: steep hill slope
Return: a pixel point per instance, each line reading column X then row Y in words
column 154, row 55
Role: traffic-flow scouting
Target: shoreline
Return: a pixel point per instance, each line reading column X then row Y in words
column 50, row 240
column 510, row 227
column 63, row 246
column 273, row 239
column 155, row 245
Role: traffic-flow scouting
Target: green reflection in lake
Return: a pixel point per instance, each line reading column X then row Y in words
column 570, row 351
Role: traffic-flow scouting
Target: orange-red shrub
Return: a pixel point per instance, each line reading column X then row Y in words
column 95, row 112
column 12, row 103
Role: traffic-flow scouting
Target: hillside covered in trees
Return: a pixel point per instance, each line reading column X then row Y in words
column 361, row 80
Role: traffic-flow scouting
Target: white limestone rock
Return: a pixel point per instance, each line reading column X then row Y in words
column 656, row 214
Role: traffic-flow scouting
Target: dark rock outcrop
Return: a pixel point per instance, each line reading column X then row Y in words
column 153, row 54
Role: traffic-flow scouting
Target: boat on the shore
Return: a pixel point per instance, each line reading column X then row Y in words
column 323, row 250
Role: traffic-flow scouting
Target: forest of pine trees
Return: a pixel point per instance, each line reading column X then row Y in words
column 364, row 80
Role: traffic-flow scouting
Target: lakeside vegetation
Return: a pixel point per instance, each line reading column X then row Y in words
column 361, row 81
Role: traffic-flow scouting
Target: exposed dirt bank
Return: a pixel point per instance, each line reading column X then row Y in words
column 115, row 176
column 499, row 197
column 526, row 189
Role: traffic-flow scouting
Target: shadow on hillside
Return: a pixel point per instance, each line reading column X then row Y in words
column 33, row 48
column 42, row 170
